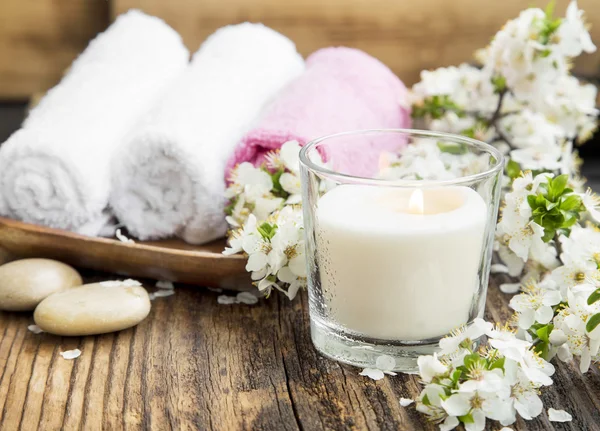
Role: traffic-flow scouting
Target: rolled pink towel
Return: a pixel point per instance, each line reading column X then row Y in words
column 342, row 89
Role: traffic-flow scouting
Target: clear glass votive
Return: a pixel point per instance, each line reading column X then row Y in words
column 399, row 229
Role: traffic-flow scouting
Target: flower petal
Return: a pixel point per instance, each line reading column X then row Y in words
column 372, row 373
column 552, row 297
column 499, row 268
column 543, row 315
column 457, row 405
column 558, row 337
column 450, row 423
column 559, row 415
column 71, row 354
column 406, row 402
column 585, row 361
column 256, row 261
column 526, row 319
column 510, row 287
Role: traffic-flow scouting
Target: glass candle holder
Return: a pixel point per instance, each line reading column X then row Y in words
column 399, row 229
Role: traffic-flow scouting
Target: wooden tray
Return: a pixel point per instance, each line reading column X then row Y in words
column 172, row 259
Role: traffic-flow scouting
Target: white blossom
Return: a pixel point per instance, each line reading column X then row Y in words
column 538, row 158
column 529, row 129
column 452, row 344
column 572, row 321
column 467, row 86
column 535, row 305
column 573, row 35
column 518, row 54
column 591, row 202
column 523, row 393
column 430, row 367
column 571, row 105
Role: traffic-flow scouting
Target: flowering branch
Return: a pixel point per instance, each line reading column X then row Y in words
column 524, row 101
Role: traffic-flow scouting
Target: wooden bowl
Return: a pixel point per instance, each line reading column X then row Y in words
column 171, row 259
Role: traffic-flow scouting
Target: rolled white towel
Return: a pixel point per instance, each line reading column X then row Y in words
column 55, row 170
column 169, row 177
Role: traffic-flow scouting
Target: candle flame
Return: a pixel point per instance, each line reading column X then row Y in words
column 415, row 203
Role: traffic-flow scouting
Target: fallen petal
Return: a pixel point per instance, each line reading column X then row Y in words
column 35, row 329
column 559, row 415
column 499, row 268
column 71, row 354
column 246, row 298
column 226, row 300
column 163, row 293
column 163, row 284
column 215, row 289
column 372, row 373
column 510, row 287
column 406, row 402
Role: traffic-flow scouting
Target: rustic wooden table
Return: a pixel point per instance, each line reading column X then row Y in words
column 195, row 364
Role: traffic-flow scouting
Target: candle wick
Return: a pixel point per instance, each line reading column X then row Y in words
column 416, row 203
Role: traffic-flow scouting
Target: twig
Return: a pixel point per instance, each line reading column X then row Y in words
column 496, row 114
column 558, row 245
column 503, row 137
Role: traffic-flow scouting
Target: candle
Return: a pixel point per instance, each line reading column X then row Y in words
column 399, row 264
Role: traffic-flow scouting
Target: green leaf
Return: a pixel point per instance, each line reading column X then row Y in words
column 499, row 83
column 594, row 297
column 267, row 231
column 548, row 234
column 549, row 9
column 542, row 349
column 544, row 332
column 276, row 184
column 549, row 24
column 456, row 375
column 557, row 186
column 229, row 208
column 469, row 133
column 592, row 322
column 467, row 419
column 436, row 107
column 452, row 148
column 564, row 231
column 532, row 201
column 513, row 169
column 471, row 359
column 425, row 400
column 498, row 363
column 571, row 203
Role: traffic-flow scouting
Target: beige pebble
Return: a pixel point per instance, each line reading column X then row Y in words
column 25, row 283
column 92, row 309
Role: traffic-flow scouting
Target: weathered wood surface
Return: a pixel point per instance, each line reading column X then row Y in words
column 40, row 38
column 195, row 364
column 408, row 36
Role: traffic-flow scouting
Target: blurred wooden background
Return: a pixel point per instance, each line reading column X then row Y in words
column 40, row 38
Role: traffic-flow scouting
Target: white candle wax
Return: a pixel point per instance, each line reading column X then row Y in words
column 397, row 263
